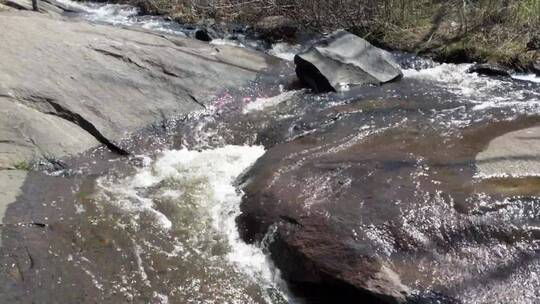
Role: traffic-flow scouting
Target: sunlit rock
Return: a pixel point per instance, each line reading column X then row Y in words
column 342, row 60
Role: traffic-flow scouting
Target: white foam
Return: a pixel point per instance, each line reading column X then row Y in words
column 74, row 5
column 212, row 173
column 160, row 298
column 228, row 42
column 527, row 77
column 262, row 103
column 454, row 76
column 108, row 13
column 219, row 168
column 159, row 26
column 285, row 50
column 121, row 14
column 125, row 195
column 484, row 92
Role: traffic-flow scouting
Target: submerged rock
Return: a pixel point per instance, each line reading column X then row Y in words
column 391, row 214
column 515, row 154
column 490, row 69
column 343, row 59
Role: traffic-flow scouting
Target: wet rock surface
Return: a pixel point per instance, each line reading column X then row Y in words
column 392, row 215
column 342, row 60
column 372, row 195
column 383, row 196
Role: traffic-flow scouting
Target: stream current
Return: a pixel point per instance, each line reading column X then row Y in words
column 160, row 226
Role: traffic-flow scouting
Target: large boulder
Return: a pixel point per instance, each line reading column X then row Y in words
column 202, row 35
column 68, row 86
column 343, row 59
column 378, row 208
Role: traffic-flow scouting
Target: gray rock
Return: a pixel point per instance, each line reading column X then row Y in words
column 66, row 87
column 18, row 4
column 5, row 8
column 513, row 154
column 343, row 59
column 11, row 183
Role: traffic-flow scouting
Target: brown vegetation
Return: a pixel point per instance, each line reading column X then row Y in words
column 454, row 30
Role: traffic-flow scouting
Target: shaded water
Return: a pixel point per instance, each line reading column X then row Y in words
column 159, row 227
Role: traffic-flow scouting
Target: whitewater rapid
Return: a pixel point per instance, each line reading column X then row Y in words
column 189, row 199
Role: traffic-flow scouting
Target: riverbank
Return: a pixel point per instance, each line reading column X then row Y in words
column 449, row 31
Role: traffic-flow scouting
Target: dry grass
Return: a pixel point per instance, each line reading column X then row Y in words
column 454, row 30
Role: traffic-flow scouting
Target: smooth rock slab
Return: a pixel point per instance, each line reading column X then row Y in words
column 67, row 86
column 515, row 154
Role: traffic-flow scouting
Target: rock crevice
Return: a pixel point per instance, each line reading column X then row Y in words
column 49, row 106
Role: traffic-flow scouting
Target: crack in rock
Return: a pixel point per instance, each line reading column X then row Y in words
column 54, row 108
column 119, row 57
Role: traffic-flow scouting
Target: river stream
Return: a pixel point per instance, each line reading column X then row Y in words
column 160, row 226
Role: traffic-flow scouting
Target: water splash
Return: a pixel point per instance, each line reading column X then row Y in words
column 201, row 185
column 482, row 91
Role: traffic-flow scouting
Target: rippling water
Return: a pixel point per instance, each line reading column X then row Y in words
column 160, row 227
column 182, row 205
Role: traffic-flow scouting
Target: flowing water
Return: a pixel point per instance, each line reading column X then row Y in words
column 160, row 226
